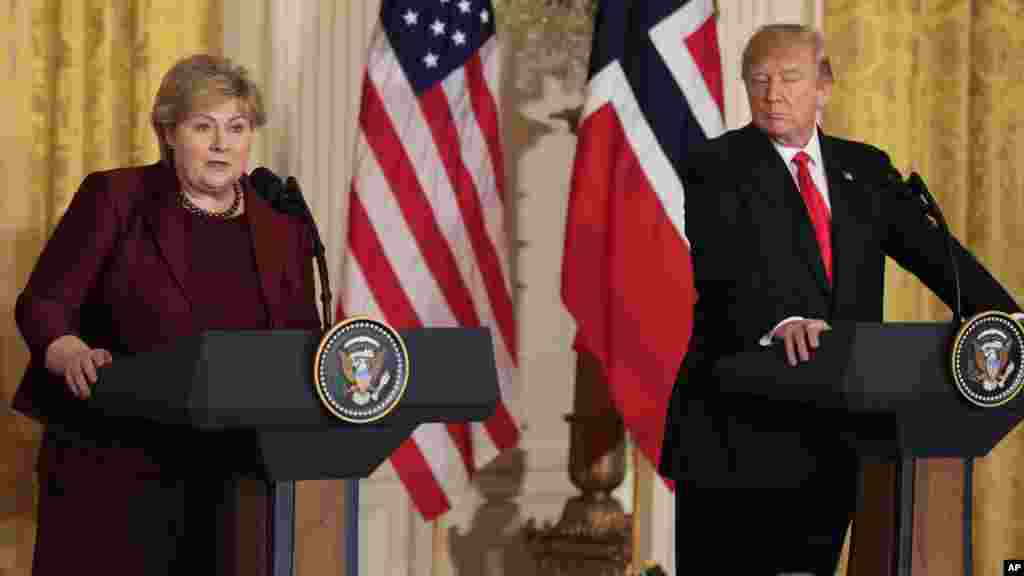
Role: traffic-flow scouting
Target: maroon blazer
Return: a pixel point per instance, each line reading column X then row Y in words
column 115, row 273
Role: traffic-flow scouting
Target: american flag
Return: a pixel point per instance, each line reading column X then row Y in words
column 426, row 237
column 655, row 90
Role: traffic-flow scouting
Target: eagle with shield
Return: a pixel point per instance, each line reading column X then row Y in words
column 992, row 365
column 363, row 374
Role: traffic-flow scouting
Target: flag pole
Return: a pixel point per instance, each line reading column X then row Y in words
column 438, row 546
column 634, row 524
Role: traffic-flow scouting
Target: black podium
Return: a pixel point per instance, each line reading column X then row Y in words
column 890, row 389
column 259, row 386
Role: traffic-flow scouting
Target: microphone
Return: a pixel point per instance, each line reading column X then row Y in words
column 287, row 198
column 894, row 180
column 268, row 186
column 917, row 189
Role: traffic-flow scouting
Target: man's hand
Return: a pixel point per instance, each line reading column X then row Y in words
column 800, row 337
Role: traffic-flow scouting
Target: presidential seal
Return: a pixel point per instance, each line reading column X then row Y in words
column 361, row 370
column 988, row 359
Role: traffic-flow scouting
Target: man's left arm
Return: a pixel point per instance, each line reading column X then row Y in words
column 918, row 245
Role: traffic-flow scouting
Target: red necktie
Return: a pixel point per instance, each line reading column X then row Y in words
column 820, row 217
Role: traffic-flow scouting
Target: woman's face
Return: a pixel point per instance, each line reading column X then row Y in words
column 211, row 147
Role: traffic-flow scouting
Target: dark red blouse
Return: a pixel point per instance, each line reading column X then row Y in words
column 222, row 261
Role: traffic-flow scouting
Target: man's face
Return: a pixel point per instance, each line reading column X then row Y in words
column 784, row 89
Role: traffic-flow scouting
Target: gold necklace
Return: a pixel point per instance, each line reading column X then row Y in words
column 226, row 214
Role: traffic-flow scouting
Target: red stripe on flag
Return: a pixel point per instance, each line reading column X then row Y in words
column 460, row 435
column 415, row 207
column 634, row 316
column 415, row 473
column 415, row 180
column 438, row 114
column 486, row 111
column 501, row 428
column 380, row 276
column 703, row 46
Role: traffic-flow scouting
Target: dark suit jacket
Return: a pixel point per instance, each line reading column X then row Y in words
column 115, row 272
column 756, row 262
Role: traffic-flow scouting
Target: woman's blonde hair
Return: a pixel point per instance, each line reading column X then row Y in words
column 198, row 78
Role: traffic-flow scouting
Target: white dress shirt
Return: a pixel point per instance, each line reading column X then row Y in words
column 817, row 168
column 816, row 165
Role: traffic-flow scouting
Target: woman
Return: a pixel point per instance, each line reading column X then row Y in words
column 144, row 256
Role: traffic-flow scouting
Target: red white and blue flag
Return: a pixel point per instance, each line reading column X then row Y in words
column 655, row 90
column 426, row 237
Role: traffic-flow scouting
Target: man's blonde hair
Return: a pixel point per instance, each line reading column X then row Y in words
column 774, row 36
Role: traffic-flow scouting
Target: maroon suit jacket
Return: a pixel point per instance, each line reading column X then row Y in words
column 115, row 273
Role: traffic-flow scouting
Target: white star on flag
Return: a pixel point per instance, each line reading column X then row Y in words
column 464, row 6
column 437, row 27
column 430, row 60
column 459, row 38
column 410, row 17
column 484, row 16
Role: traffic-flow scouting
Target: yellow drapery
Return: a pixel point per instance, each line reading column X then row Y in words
column 939, row 85
column 81, row 79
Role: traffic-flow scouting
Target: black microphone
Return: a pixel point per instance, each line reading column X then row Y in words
column 287, row 198
column 894, row 181
column 917, row 189
column 268, row 186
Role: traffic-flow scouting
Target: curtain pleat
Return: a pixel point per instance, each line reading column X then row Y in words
column 938, row 85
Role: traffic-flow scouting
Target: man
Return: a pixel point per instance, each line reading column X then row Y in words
column 765, row 478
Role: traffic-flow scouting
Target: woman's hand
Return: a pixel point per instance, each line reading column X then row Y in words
column 70, row 357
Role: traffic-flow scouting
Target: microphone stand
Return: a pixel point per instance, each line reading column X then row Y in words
column 918, row 188
column 351, row 544
column 292, row 190
column 931, row 208
column 288, row 199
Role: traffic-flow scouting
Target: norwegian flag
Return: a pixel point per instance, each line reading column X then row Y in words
column 426, row 240
column 655, row 90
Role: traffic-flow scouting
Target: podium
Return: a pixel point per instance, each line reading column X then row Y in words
column 895, row 403
column 259, row 386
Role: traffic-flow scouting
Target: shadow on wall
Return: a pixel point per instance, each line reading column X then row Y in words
column 494, row 544
column 19, row 436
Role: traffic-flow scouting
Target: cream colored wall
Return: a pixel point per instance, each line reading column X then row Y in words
column 309, row 55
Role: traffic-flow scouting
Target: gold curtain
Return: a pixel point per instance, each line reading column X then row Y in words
column 939, row 85
column 81, row 79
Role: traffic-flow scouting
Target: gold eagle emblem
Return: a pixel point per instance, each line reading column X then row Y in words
column 361, row 369
column 992, row 365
